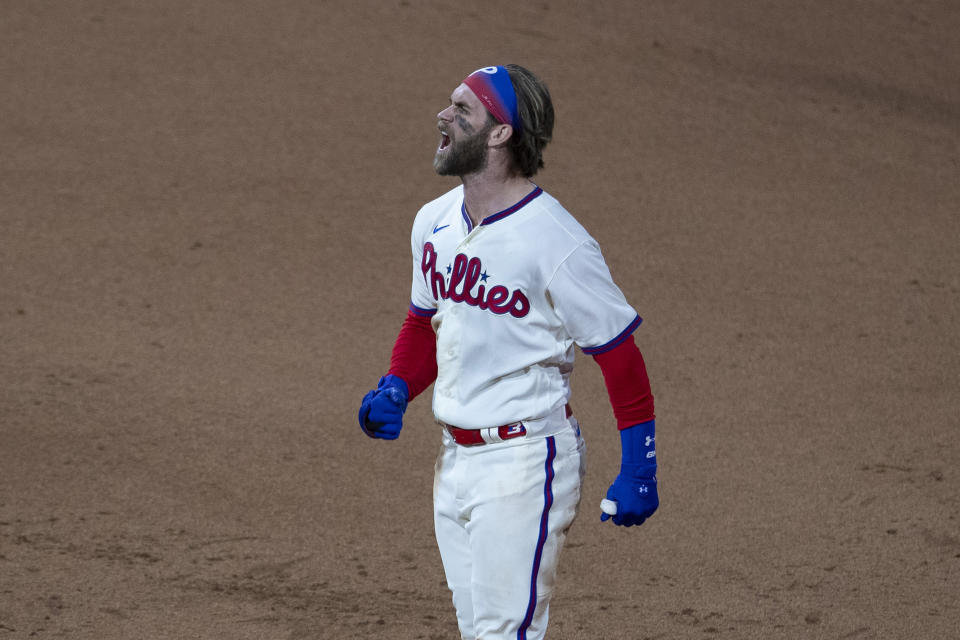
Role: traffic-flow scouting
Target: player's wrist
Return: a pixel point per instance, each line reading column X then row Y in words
column 638, row 450
column 396, row 382
column 646, row 472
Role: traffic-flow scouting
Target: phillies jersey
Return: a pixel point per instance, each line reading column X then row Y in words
column 509, row 298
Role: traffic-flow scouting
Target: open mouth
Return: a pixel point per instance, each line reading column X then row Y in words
column 444, row 141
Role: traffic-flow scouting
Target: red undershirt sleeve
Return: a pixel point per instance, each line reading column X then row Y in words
column 625, row 375
column 414, row 356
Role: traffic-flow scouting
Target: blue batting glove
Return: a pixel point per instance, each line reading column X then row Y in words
column 381, row 411
column 632, row 498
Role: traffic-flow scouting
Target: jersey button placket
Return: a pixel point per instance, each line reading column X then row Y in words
column 451, row 350
column 453, row 347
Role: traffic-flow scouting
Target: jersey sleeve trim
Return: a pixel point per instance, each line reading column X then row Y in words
column 613, row 344
column 423, row 313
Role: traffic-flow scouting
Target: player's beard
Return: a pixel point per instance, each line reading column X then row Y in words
column 465, row 156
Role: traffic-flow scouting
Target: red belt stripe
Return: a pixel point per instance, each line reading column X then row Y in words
column 474, row 437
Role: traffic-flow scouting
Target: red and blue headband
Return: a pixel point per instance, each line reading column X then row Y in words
column 492, row 85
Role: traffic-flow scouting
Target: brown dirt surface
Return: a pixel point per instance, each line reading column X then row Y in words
column 204, row 256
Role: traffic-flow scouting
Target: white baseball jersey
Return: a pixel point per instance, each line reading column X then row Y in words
column 509, row 299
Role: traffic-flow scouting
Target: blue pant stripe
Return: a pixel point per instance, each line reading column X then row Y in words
column 541, row 539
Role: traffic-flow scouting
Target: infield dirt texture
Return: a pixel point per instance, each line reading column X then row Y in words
column 205, row 211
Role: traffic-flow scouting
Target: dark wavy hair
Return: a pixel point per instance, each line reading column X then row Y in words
column 536, row 115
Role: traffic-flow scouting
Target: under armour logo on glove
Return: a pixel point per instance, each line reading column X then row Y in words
column 630, row 501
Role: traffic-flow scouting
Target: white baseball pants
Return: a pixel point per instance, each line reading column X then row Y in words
column 501, row 514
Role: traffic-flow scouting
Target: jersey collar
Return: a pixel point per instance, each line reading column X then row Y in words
column 500, row 215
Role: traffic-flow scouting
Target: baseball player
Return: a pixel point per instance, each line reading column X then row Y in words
column 505, row 283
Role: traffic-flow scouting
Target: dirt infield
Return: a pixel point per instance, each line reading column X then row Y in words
column 204, row 255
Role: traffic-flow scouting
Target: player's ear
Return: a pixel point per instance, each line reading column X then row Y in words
column 499, row 135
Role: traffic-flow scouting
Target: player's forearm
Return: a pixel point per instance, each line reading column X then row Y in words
column 628, row 386
column 414, row 355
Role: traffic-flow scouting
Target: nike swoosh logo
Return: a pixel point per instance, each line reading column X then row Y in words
column 435, row 229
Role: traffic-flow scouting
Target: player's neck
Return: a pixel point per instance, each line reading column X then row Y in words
column 488, row 192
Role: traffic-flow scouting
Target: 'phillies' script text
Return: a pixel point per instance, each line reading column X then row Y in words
column 465, row 274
